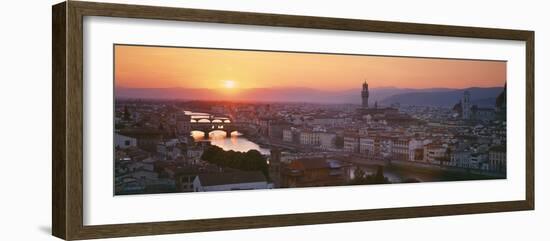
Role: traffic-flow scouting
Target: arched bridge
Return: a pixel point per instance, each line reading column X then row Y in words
column 211, row 123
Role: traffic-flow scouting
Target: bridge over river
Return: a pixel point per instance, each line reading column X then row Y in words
column 209, row 123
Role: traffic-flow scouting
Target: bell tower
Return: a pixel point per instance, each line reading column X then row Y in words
column 365, row 95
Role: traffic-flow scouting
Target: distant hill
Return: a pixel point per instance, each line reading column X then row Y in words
column 257, row 94
column 483, row 97
column 384, row 95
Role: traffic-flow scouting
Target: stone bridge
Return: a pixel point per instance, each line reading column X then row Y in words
column 207, row 124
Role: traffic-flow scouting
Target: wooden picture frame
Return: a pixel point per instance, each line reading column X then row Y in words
column 67, row 152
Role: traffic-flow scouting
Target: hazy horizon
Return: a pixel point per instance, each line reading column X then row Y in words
column 430, row 96
column 303, row 87
column 233, row 70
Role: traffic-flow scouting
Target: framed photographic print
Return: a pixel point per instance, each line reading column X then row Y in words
column 171, row 120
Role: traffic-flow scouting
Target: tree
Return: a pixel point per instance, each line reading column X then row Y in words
column 361, row 179
column 127, row 116
column 358, row 176
column 446, row 157
column 251, row 160
column 119, row 126
column 380, row 174
column 359, row 173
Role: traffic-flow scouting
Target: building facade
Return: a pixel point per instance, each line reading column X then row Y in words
column 309, row 138
column 351, row 143
column 327, row 141
column 497, row 159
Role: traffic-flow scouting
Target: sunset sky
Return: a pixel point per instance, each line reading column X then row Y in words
column 165, row 67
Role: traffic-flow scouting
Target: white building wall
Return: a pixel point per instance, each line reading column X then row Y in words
column 326, row 140
column 287, row 135
column 198, row 187
column 366, row 145
column 124, row 141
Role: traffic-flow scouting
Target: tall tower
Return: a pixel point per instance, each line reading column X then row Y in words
column 466, row 106
column 365, row 95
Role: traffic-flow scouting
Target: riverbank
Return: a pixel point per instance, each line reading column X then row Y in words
column 399, row 172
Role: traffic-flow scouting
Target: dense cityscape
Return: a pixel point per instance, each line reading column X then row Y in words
column 179, row 145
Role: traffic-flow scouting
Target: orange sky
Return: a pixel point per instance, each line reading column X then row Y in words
column 161, row 67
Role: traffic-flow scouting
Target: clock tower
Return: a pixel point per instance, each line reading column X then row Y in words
column 365, row 95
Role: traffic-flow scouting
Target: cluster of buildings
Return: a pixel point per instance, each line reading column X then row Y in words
column 468, row 137
column 155, row 153
column 309, row 169
column 311, row 144
column 175, row 166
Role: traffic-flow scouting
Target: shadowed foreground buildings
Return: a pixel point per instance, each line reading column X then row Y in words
column 314, row 172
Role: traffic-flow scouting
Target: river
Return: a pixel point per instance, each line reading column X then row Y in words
column 237, row 142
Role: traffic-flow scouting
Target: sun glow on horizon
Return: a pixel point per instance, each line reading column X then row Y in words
column 234, row 71
column 229, row 84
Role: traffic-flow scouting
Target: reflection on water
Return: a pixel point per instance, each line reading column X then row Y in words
column 236, row 142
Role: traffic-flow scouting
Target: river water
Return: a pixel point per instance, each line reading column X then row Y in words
column 237, row 142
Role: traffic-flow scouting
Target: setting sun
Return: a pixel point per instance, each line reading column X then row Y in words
column 239, row 70
column 229, row 84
